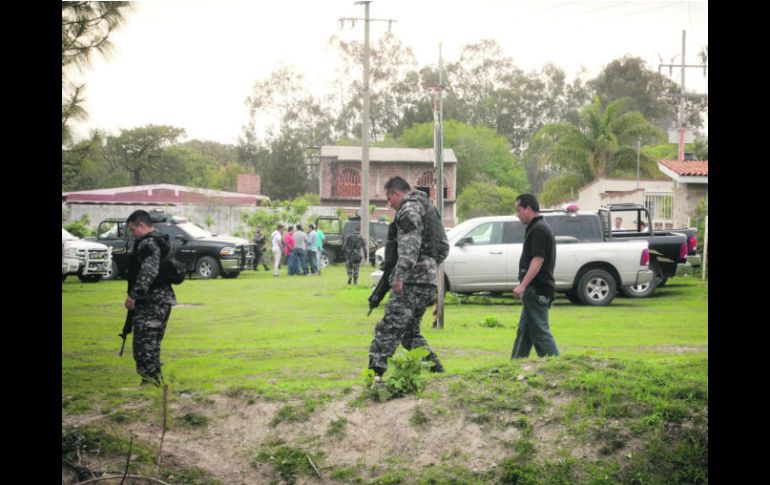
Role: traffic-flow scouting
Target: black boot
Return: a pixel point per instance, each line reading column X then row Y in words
column 355, row 280
column 349, row 278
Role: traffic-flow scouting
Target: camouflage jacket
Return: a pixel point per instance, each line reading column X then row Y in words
column 143, row 270
column 352, row 247
column 412, row 267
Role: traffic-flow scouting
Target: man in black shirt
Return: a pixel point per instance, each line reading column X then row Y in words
column 536, row 282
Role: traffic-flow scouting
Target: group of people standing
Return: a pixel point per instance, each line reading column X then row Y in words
column 302, row 250
column 413, row 280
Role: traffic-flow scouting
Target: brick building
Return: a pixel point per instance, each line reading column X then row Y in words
column 336, row 171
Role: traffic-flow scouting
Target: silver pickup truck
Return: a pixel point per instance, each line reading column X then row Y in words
column 485, row 251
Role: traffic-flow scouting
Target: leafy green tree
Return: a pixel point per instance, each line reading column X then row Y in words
column 285, row 176
column 394, row 86
column 650, row 93
column 602, row 145
column 481, row 153
column 485, row 199
column 85, row 30
column 281, row 104
column 138, row 152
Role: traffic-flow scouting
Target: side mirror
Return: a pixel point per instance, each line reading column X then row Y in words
column 466, row 240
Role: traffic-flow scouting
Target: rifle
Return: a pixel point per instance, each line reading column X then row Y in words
column 127, row 326
column 383, row 286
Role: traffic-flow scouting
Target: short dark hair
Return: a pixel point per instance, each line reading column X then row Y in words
column 311, row 226
column 397, row 183
column 299, row 227
column 140, row 217
column 280, row 226
column 526, row 201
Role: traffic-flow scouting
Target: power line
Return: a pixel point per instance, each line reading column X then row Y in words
column 669, row 4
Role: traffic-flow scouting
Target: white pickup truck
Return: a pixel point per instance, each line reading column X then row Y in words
column 485, row 251
column 89, row 260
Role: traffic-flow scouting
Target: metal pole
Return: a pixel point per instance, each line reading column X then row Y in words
column 365, row 141
column 439, row 149
column 681, row 106
column 638, row 147
column 705, row 249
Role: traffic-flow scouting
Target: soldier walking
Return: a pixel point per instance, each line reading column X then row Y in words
column 150, row 295
column 352, row 248
column 413, row 278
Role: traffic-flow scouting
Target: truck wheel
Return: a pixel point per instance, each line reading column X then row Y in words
column 89, row 278
column 207, row 268
column 658, row 277
column 639, row 291
column 596, row 288
column 113, row 272
column 326, row 259
column 230, row 276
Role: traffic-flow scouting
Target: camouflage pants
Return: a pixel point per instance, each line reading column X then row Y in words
column 149, row 326
column 401, row 325
column 352, row 267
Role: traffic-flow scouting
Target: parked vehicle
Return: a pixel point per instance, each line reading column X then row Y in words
column 671, row 251
column 485, row 251
column 335, row 233
column 87, row 259
column 204, row 254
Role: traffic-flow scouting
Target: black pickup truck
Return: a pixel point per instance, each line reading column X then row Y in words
column 668, row 249
column 335, row 233
column 205, row 255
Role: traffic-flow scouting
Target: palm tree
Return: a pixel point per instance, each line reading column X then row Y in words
column 85, row 29
column 603, row 145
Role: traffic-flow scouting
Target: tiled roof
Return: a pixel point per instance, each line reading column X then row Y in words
column 689, row 168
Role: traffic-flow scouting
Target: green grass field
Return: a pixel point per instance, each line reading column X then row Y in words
column 309, row 333
column 631, row 386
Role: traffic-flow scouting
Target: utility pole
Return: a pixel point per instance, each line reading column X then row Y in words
column 438, row 149
column 365, row 123
column 682, row 94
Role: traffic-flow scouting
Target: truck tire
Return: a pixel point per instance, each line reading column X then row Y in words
column 207, row 268
column 230, row 276
column 596, row 288
column 89, row 278
column 326, row 258
column 639, row 291
column 113, row 273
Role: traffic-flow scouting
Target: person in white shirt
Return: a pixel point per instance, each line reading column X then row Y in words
column 277, row 239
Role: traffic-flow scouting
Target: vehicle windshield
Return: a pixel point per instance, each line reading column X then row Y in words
column 196, row 232
column 66, row 236
column 459, row 229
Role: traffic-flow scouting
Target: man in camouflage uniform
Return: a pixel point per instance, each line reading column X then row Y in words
column 150, row 296
column 412, row 280
column 352, row 248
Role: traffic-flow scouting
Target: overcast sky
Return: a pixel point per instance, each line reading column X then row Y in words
column 192, row 63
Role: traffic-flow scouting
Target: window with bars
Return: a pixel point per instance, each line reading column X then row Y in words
column 349, row 183
column 660, row 205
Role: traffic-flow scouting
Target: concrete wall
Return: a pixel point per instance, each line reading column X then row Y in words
column 226, row 219
column 593, row 195
column 686, row 197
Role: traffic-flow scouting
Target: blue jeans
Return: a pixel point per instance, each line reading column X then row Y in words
column 533, row 327
column 312, row 261
column 299, row 262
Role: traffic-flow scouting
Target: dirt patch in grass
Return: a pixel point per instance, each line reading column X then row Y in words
column 366, row 439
